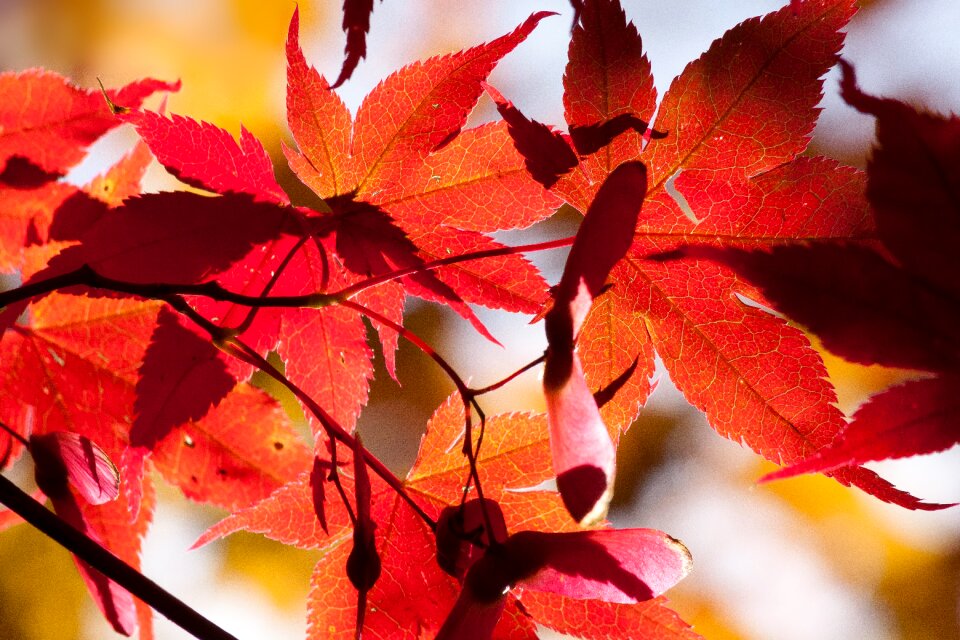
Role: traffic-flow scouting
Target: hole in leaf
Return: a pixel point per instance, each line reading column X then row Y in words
column 672, row 191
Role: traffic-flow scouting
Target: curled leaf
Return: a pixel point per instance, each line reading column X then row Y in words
column 462, row 535
column 63, row 458
column 619, row 566
column 623, row 566
column 583, row 453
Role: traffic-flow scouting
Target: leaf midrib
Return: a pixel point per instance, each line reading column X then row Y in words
column 721, row 356
column 709, row 134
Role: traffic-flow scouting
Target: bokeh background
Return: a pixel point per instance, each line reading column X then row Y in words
column 796, row 560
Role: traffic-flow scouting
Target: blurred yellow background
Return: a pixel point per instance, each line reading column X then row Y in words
column 798, row 559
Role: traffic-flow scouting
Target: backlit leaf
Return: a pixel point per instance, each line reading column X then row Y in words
column 724, row 170
column 514, row 456
column 205, row 156
column 897, row 307
column 50, row 122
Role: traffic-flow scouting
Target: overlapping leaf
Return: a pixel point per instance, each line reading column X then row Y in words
column 27, row 212
column 514, row 456
column 166, row 238
column 447, row 196
column 46, row 125
column 406, row 156
column 724, row 170
column 50, row 122
column 899, row 309
column 403, row 540
column 38, row 207
column 403, row 187
column 77, row 363
column 76, row 367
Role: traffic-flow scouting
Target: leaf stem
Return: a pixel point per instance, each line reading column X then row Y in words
column 337, row 431
column 467, row 396
column 108, row 564
column 85, row 275
column 13, row 434
column 521, row 370
column 235, row 347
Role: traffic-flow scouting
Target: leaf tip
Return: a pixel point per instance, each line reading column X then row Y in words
column 115, row 109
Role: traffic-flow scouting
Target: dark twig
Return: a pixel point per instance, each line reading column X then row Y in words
column 87, row 276
column 497, row 385
column 108, row 564
column 235, row 347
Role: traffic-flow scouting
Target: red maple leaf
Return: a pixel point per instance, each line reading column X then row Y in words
column 50, row 122
column 725, row 170
column 898, row 306
column 46, row 125
column 403, row 185
column 405, row 155
column 403, row 603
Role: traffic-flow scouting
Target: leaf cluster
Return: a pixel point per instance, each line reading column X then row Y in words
column 131, row 343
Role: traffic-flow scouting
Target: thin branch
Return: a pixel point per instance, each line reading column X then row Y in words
column 466, row 394
column 521, row 370
column 85, row 275
column 235, row 347
column 108, row 564
column 354, row 289
column 414, row 339
column 334, row 429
